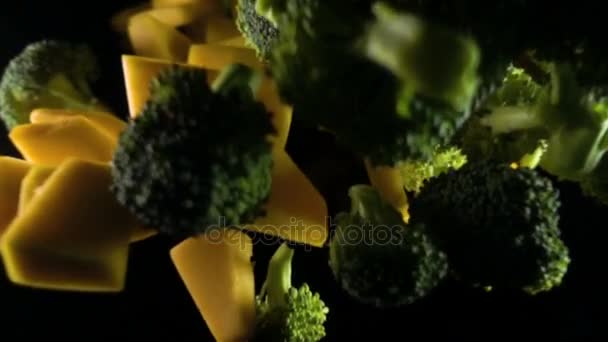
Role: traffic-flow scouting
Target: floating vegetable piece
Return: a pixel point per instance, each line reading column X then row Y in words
column 295, row 211
column 12, row 171
column 120, row 21
column 387, row 181
column 220, row 28
column 72, row 236
column 173, row 3
column 51, row 143
column 216, row 57
column 31, row 185
column 217, row 271
column 152, row 38
column 179, row 15
column 238, row 41
column 105, row 122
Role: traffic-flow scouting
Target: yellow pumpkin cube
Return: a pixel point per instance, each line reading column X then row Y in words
column 387, row 180
column 73, row 235
column 12, row 172
column 52, row 142
column 220, row 28
column 150, row 37
column 217, row 271
column 32, row 185
column 296, row 211
column 105, row 122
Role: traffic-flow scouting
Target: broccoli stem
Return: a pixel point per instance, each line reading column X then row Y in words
column 278, row 279
column 234, row 78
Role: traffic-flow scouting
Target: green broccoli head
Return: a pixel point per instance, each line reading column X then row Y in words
column 286, row 313
column 258, row 31
column 50, row 74
column 196, row 156
column 497, row 225
column 364, row 103
column 379, row 260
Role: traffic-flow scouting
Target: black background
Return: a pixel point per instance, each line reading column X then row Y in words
column 155, row 304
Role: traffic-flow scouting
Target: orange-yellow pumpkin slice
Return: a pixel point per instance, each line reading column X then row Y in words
column 72, row 235
column 12, row 172
column 51, row 143
column 150, row 37
column 217, row 271
column 296, row 211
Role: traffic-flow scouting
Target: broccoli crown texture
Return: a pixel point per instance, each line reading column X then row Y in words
column 497, row 225
column 258, row 31
column 196, row 157
column 51, row 74
column 286, row 313
column 379, row 260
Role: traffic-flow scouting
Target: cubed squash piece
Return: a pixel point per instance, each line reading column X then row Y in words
column 32, row 185
column 281, row 113
column 216, row 57
column 295, row 211
column 238, row 41
column 12, row 172
column 173, row 3
column 387, row 180
column 105, row 122
column 150, row 37
column 138, row 72
column 73, row 235
column 220, row 28
column 120, row 20
column 177, row 16
column 217, row 271
column 51, row 143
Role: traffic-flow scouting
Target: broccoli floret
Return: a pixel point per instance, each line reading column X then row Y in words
column 369, row 108
column 596, row 183
column 498, row 225
column 286, row 313
column 259, row 32
column 51, row 74
column 415, row 174
column 573, row 121
column 377, row 258
column 196, row 156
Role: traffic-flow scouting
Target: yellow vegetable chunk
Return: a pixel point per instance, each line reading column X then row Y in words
column 178, row 15
column 281, row 113
column 51, row 143
column 73, row 235
column 387, row 180
column 238, row 41
column 296, row 211
column 173, row 3
column 150, row 37
column 120, row 20
column 105, row 122
column 12, row 172
column 216, row 57
column 32, row 185
column 217, row 271
column 138, row 73
column 220, row 28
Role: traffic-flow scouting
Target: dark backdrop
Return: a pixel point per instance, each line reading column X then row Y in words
column 155, row 304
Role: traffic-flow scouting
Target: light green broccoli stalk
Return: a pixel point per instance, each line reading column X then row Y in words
column 50, row 74
column 286, row 313
column 429, row 59
column 377, row 258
